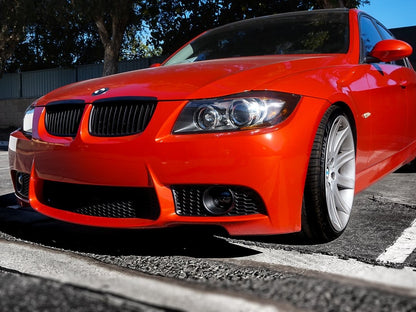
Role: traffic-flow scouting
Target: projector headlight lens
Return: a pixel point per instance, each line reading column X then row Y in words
column 237, row 112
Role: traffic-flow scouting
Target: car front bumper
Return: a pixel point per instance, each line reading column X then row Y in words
column 268, row 164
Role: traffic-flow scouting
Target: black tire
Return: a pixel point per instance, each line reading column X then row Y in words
column 329, row 190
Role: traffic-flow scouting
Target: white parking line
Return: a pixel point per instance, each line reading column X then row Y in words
column 401, row 279
column 402, row 248
column 69, row 268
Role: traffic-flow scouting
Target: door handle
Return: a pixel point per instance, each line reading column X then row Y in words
column 403, row 84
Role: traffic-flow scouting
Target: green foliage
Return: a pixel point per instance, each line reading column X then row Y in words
column 326, row 4
column 11, row 28
column 54, row 36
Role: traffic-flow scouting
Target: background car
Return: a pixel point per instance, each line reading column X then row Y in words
column 264, row 126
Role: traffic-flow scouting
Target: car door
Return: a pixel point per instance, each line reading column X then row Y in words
column 408, row 83
column 388, row 98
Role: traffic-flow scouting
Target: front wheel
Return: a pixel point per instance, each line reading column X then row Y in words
column 330, row 182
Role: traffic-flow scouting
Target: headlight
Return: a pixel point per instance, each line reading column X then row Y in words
column 28, row 119
column 236, row 112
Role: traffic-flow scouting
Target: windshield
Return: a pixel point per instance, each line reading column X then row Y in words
column 313, row 32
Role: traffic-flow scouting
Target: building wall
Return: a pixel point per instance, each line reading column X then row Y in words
column 37, row 83
column 12, row 111
column 407, row 34
column 19, row 90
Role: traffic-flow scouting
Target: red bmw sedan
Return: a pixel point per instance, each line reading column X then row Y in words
column 265, row 126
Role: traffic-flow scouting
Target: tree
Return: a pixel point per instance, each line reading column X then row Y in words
column 53, row 36
column 326, row 4
column 12, row 26
column 111, row 18
column 66, row 32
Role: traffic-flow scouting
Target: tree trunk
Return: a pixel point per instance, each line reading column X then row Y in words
column 111, row 56
column 111, row 41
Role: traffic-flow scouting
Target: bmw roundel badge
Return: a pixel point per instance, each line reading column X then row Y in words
column 100, row 91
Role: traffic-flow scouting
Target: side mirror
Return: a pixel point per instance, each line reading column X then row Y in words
column 155, row 65
column 391, row 50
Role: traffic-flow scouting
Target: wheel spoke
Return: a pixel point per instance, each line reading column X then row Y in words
column 344, row 158
column 340, row 203
column 345, row 182
column 332, row 139
column 341, row 136
column 332, row 209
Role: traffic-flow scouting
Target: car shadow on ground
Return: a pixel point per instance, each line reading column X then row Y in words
column 29, row 225
column 409, row 168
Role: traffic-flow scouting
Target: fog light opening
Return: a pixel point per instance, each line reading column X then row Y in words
column 218, row 200
column 20, row 183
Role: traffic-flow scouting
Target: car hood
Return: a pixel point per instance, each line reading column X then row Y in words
column 194, row 80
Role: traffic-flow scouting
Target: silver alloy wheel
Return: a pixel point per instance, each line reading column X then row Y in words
column 340, row 172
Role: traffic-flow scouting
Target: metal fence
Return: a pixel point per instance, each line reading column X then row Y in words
column 36, row 83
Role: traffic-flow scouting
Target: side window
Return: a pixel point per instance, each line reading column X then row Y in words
column 384, row 32
column 369, row 36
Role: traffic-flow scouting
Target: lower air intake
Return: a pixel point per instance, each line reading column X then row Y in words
column 22, row 184
column 102, row 201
